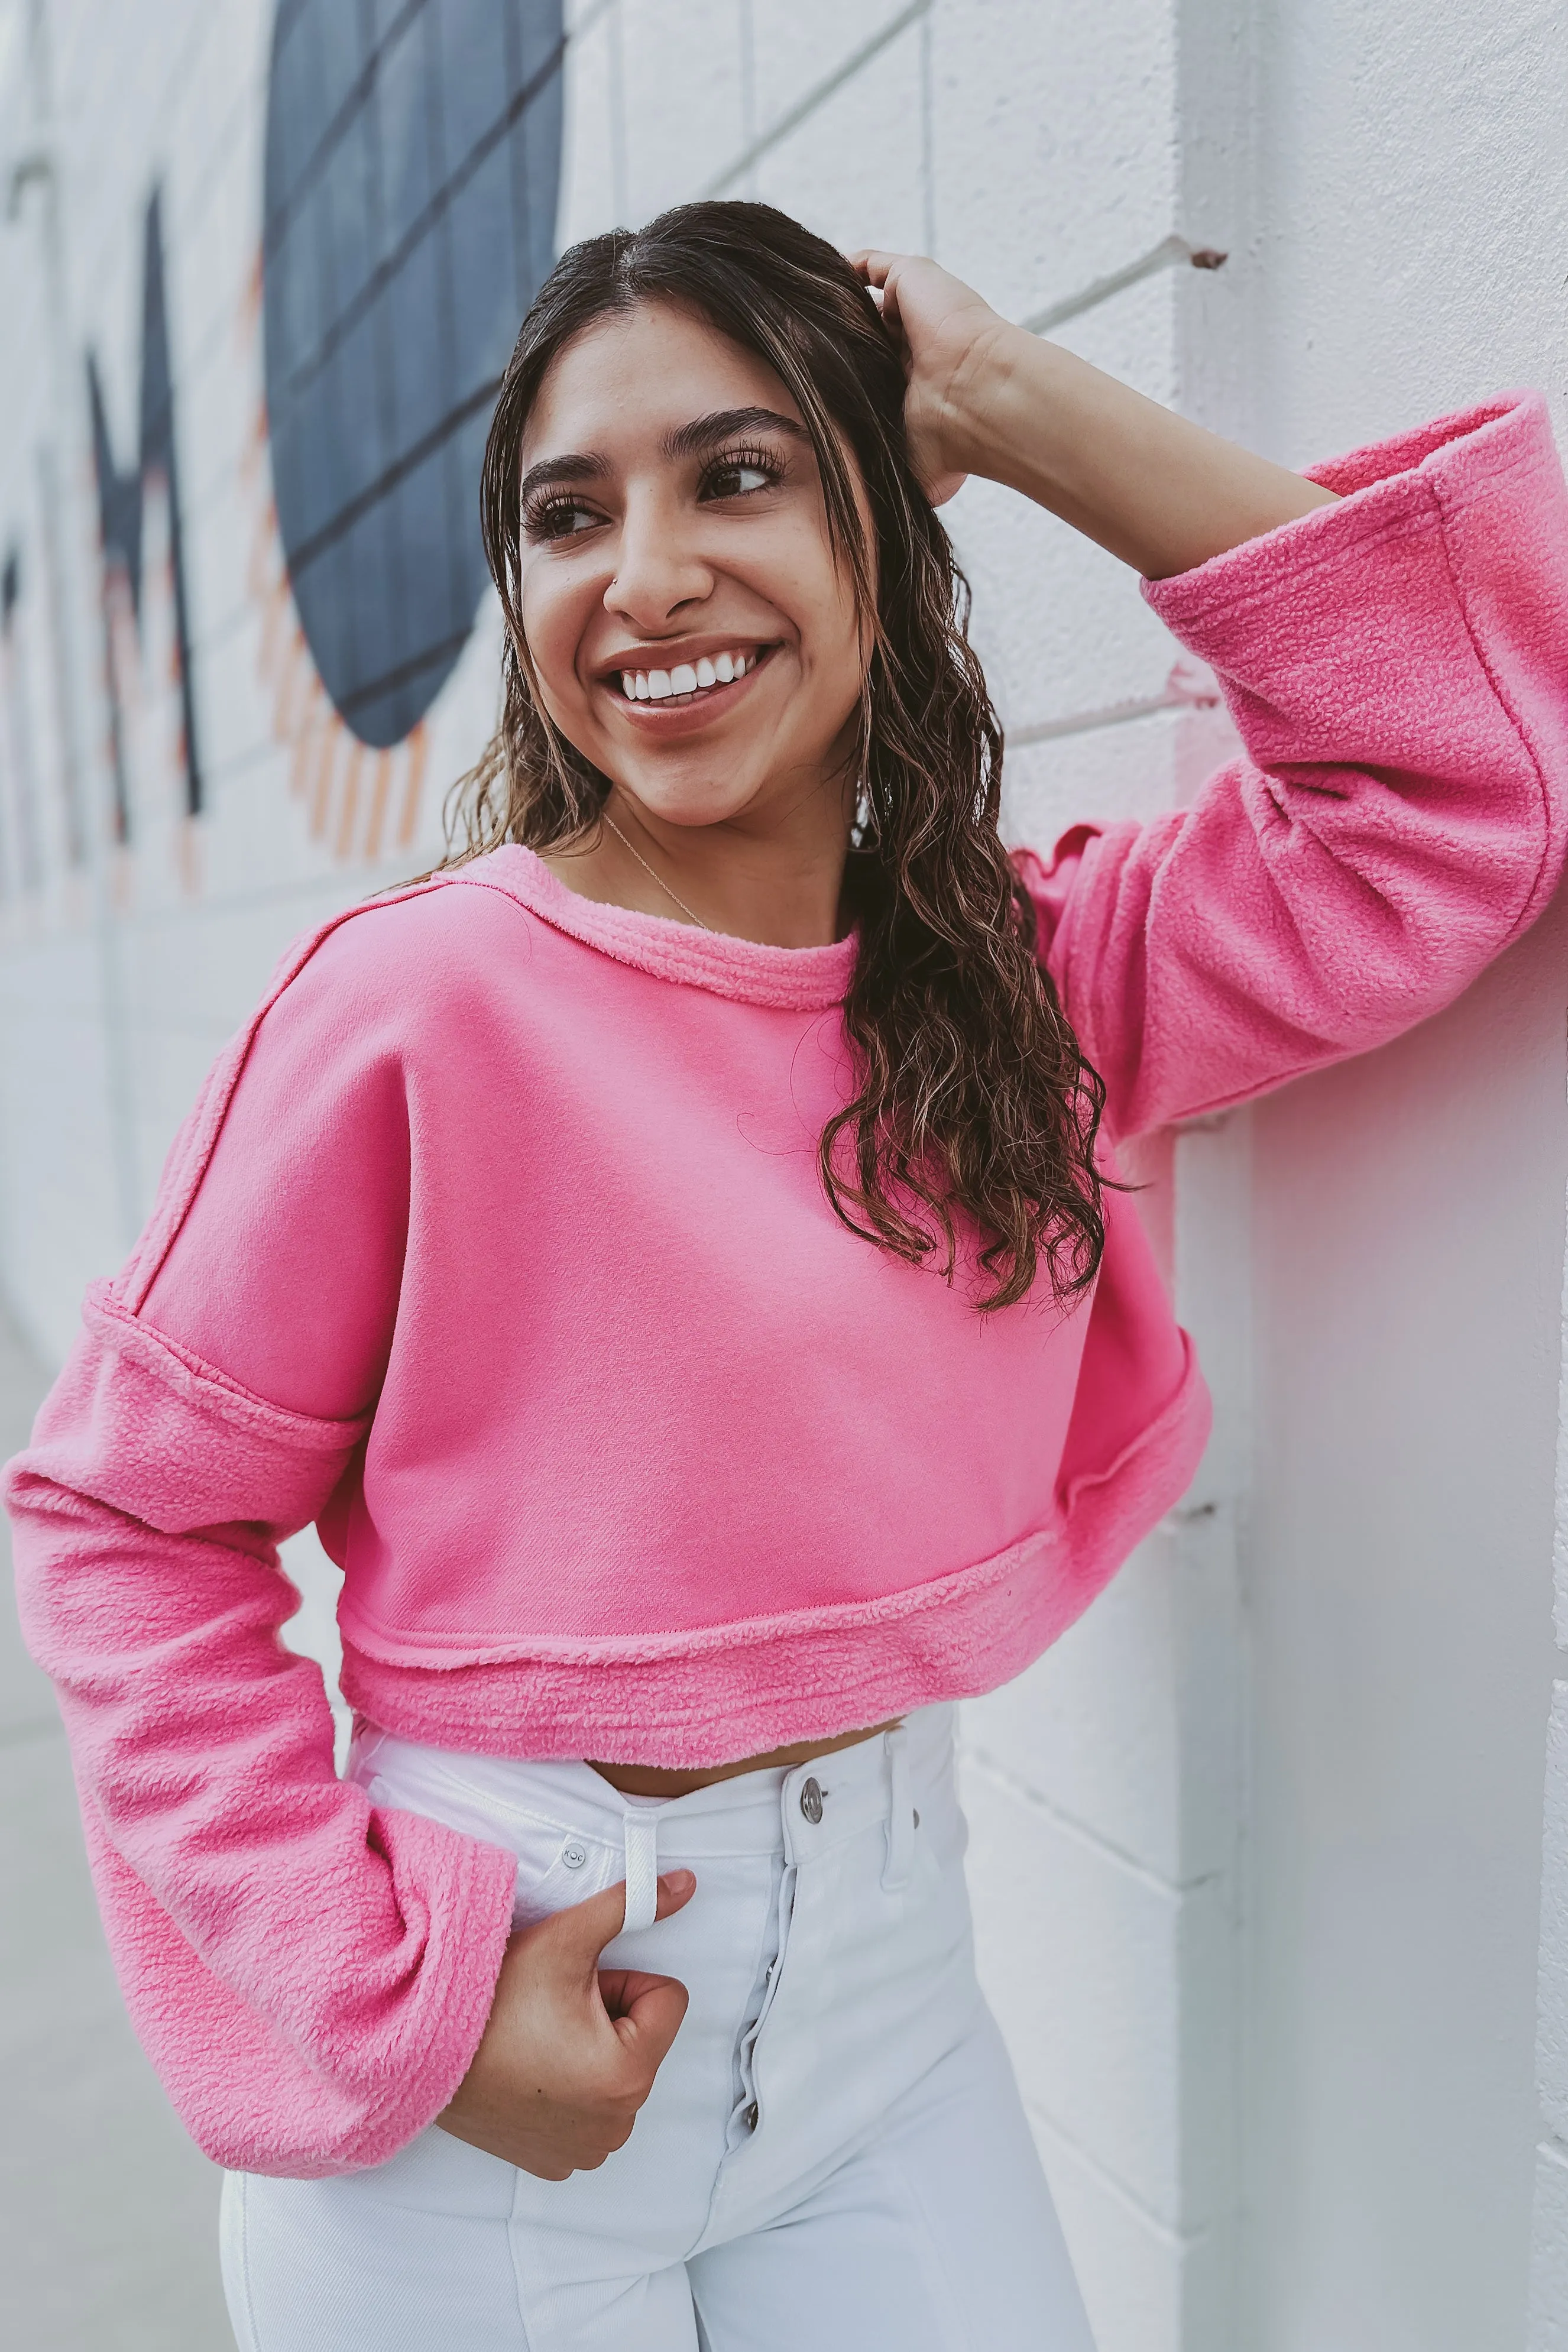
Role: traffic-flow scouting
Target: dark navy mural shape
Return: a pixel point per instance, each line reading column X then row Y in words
column 122, row 498
column 413, row 165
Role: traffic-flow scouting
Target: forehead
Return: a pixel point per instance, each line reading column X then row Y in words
column 630, row 378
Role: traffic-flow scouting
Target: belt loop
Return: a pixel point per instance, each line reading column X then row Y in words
column 642, row 1871
column 901, row 1815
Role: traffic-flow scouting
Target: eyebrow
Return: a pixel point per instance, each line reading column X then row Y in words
column 722, row 424
column 574, row 467
column 686, row 441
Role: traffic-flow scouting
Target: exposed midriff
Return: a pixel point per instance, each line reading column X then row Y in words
column 648, row 1780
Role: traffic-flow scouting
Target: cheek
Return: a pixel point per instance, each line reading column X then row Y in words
column 555, row 613
column 839, row 660
column 809, row 588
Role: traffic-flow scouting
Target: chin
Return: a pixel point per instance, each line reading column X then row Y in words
column 687, row 804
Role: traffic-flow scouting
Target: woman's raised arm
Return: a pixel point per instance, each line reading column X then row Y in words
column 987, row 397
column 1391, row 636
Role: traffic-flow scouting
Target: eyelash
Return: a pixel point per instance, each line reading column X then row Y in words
column 554, row 508
column 756, row 461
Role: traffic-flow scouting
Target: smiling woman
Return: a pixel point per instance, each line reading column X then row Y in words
column 707, row 422
column 693, row 535
column 674, row 1254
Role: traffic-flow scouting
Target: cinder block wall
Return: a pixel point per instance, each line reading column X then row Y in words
column 1149, row 1804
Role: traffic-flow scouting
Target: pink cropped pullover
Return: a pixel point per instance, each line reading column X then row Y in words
column 495, row 1245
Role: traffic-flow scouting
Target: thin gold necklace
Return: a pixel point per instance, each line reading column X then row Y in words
column 690, row 912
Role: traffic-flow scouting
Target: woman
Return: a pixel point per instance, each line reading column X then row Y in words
column 672, row 1253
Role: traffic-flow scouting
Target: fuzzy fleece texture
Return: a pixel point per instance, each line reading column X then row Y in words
column 495, row 1245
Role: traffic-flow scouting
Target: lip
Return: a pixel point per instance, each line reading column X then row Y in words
column 672, row 653
column 673, row 716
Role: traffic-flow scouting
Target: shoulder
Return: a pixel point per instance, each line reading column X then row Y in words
column 432, row 952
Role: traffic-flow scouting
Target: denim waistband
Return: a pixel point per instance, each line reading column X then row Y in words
column 878, row 1780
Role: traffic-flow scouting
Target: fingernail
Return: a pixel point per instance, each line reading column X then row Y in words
column 676, row 1882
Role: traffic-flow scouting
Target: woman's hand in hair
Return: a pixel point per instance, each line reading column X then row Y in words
column 570, row 2048
column 941, row 328
column 985, row 397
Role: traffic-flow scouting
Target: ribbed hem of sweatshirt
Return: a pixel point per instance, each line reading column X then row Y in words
column 744, row 1695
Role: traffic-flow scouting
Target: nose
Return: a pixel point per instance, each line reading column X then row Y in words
column 658, row 572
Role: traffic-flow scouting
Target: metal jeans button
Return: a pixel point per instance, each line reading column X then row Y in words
column 811, row 1801
column 575, row 1857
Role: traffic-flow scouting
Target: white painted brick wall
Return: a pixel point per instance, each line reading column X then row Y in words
column 1053, row 141
column 683, row 111
column 1037, row 147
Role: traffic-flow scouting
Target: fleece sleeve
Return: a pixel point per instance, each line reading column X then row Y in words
column 310, row 1974
column 1394, row 665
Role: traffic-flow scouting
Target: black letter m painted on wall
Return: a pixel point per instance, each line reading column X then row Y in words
column 121, row 508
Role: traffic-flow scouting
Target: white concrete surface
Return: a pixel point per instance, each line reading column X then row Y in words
column 1268, row 1964
column 1411, row 193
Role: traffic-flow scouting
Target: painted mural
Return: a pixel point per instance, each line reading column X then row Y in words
column 147, row 490
column 413, row 161
column 410, row 171
column 21, row 862
column 413, row 158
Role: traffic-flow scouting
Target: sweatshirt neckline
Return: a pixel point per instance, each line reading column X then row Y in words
column 800, row 979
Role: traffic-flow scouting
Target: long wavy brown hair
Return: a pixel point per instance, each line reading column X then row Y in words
column 976, row 1107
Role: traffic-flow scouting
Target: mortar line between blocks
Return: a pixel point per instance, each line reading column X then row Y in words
column 792, row 117
column 1165, row 255
column 1014, row 1785
column 1089, row 722
column 1179, row 2241
column 616, row 101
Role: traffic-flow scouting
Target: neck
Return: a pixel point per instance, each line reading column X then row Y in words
column 778, row 883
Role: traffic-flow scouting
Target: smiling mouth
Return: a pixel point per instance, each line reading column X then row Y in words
column 687, row 683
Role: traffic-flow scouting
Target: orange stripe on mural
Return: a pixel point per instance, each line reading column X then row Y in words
column 349, row 807
column 418, row 753
column 322, row 783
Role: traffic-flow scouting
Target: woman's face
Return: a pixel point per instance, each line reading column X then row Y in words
column 690, row 630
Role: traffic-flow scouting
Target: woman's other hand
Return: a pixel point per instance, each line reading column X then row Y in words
column 940, row 326
column 570, row 2048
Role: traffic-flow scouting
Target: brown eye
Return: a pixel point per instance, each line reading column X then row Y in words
column 561, row 519
column 738, row 477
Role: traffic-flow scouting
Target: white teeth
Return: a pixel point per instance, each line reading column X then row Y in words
column 684, row 678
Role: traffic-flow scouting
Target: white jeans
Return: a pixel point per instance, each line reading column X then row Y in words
column 834, row 2156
